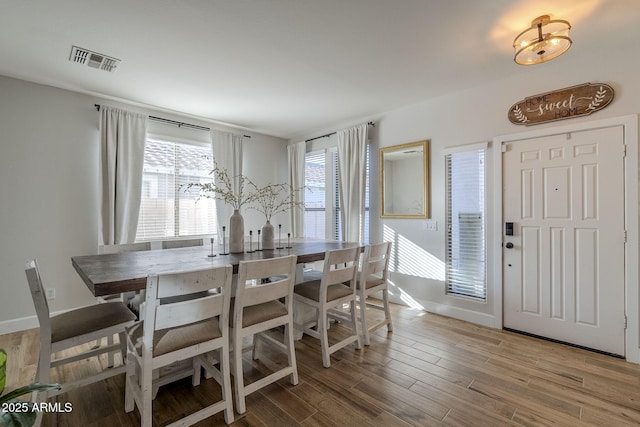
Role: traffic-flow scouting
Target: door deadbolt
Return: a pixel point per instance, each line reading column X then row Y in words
column 508, row 228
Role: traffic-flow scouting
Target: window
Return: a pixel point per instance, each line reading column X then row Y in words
column 366, row 197
column 466, row 241
column 167, row 209
column 320, row 189
column 322, row 195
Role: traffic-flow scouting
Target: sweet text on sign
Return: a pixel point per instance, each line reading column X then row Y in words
column 561, row 104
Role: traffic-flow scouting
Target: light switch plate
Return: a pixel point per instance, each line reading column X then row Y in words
column 430, row 225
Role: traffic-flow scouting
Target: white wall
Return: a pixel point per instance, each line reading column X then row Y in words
column 265, row 162
column 49, row 200
column 49, row 157
column 467, row 117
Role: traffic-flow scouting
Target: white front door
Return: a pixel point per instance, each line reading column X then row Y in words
column 564, row 264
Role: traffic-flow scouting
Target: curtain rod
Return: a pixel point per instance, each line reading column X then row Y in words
column 175, row 122
column 333, row 133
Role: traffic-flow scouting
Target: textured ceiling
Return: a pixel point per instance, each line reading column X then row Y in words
column 288, row 67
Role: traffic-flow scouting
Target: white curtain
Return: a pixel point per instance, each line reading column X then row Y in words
column 297, row 153
column 122, row 138
column 352, row 154
column 227, row 154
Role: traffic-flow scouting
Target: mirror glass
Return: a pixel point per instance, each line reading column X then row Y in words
column 404, row 180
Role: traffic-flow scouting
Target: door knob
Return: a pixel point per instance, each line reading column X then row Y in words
column 509, row 245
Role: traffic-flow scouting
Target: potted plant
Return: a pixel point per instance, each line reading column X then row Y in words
column 13, row 411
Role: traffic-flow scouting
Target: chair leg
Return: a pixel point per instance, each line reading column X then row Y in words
column 122, row 336
column 354, row 323
column 38, row 420
column 254, row 350
column 226, row 384
column 387, row 311
column 35, row 398
column 130, row 374
column 237, row 374
column 197, row 371
column 324, row 337
column 43, row 372
column 291, row 352
column 363, row 318
column 146, row 411
column 110, row 355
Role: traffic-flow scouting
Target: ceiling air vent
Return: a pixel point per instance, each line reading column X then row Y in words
column 93, row 59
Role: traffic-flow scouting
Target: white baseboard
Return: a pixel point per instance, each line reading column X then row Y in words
column 17, row 325
column 483, row 319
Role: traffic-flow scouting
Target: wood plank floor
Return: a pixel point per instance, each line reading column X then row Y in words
column 431, row 370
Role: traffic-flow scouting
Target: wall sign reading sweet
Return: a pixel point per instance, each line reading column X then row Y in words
column 561, row 104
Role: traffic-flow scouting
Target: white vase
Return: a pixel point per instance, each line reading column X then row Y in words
column 267, row 236
column 236, row 233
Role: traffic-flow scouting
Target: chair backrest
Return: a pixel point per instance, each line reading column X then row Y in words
column 124, row 247
column 281, row 275
column 184, row 243
column 340, row 266
column 375, row 261
column 39, row 298
column 177, row 299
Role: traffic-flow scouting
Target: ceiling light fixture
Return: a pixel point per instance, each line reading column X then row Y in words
column 546, row 39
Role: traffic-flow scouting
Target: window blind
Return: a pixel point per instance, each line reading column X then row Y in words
column 366, row 196
column 466, row 237
column 315, row 195
column 337, row 220
column 167, row 208
column 322, row 196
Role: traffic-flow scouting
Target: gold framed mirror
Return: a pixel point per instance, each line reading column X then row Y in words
column 404, row 180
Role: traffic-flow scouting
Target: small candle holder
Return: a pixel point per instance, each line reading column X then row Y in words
column 250, row 242
column 211, row 255
column 279, row 237
column 224, row 241
column 259, row 250
column 289, row 241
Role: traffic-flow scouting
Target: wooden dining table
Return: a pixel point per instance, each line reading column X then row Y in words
column 108, row 274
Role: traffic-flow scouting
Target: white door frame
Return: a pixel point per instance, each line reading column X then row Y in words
column 632, row 286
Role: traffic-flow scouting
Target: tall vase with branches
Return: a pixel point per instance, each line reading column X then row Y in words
column 271, row 200
column 236, row 191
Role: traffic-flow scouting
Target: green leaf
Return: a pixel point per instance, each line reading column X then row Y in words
column 17, row 419
column 28, row 389
column 3, row 369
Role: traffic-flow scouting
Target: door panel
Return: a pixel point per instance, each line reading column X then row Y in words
column 564, row 275
column 531, row 277
column 557, row 273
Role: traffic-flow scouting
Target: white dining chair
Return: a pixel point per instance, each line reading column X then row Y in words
column 328, row 295
column 124, row 247
column 263, row 300
column 373, row 278
column 181, row 243
column 182, row 321
column 75, row 328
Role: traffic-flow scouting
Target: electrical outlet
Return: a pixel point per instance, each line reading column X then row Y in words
column 430, row 225
column 50, row 293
